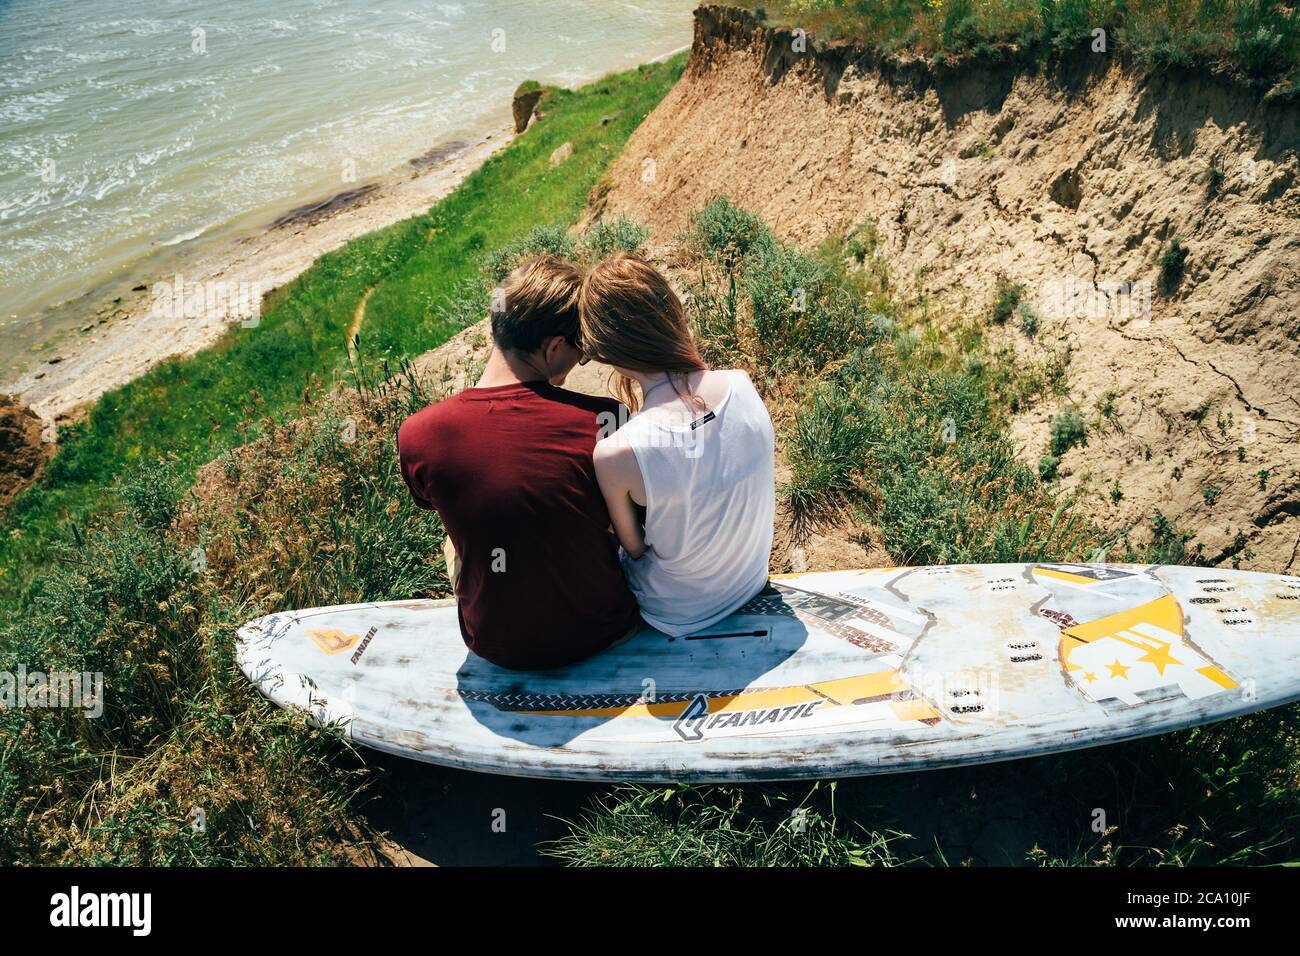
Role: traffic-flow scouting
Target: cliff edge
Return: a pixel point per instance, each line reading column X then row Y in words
column 1145, row 228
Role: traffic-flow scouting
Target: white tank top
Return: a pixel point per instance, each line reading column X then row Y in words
column 710, row 482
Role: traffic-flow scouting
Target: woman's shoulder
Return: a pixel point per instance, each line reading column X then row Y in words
column 614, row 448
column 734, row 373
column 615, row 459
column 738, row 377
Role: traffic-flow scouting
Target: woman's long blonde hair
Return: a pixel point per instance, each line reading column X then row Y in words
column 632, row 318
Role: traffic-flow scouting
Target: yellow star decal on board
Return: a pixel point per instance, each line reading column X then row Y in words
column 1117, row 669
column 1159, row 656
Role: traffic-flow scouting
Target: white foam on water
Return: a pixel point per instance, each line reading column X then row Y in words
column 149, row 137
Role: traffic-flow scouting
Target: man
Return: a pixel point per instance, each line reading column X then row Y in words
column 508, row 466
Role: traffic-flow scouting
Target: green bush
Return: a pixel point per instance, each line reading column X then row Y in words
column 618, row 234
column 1068, row 430
column 551, row 239
column 1008, row 299
column 1173, row 262
column 725, row 234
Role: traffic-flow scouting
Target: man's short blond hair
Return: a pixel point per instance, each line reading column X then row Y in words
column 537, row 301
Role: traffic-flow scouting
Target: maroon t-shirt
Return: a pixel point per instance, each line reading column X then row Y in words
column 509, row 469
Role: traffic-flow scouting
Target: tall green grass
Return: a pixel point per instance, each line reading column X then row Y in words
column 149, row 595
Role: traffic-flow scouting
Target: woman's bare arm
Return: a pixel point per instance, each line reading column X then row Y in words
column 619, row 477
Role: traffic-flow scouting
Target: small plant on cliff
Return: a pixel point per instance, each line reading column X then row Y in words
column 1008, row 299
column 1169, row 543
column 862, row 242
column 1173, row 262
column 1068, row 430
column 1214, row 179
column 1028, row 319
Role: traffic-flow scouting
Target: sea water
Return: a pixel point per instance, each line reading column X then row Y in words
column 130, row 127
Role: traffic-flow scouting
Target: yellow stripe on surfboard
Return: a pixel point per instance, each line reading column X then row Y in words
column 840, row 692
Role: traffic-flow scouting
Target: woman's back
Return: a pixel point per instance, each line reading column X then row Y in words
column 710, row 503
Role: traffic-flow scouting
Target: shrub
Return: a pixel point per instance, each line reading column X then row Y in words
column 1173, row 262
column 1068, row 430
column 551, row 239
column 619, row 234
column 1008, row 299
column 1028, row 319
column 725, row 234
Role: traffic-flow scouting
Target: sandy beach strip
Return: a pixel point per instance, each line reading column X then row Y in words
column 139, row 336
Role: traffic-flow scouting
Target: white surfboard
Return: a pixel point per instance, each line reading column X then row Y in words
column 828, row 674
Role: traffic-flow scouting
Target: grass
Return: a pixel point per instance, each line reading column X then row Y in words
column 1257, row 40
column 636, row 826
column 879, row 419
column 149, row 596
column 420, row 270
column 1218, row 795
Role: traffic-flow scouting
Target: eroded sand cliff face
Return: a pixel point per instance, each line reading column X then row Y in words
column 1072, row 179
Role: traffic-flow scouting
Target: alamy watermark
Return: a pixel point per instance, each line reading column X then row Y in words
column 208, row 300
column 69, row 690
column 1075, row 298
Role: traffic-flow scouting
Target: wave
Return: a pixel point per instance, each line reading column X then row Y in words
column 184, row 236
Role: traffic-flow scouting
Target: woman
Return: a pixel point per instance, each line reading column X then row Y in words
column 690, row 479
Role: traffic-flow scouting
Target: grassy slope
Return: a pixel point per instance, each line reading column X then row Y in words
column 193, row 408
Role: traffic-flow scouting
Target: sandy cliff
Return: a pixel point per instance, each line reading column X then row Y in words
column 1070, row 181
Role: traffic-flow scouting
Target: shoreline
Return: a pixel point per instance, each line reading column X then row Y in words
column 112, row 336
column 128, row 337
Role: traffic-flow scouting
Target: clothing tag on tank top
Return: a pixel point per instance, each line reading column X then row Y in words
column 702, row 421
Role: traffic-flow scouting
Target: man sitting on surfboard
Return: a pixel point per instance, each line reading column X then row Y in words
column 508, row 466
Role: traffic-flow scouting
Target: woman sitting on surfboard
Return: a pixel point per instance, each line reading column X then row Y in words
column 690, row 479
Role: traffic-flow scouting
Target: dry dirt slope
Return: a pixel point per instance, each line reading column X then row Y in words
column 1075, row 178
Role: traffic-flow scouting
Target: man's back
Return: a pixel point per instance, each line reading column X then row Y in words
column 509, row 469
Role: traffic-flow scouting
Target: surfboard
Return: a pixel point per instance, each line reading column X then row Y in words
column 824, row 674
